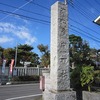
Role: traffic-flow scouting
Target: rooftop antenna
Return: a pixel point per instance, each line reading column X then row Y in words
column 65, row 1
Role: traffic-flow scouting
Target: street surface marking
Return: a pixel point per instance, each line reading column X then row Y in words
column 24, row 97
column 18, row 85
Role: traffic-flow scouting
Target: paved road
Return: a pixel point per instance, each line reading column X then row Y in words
column 19, row 92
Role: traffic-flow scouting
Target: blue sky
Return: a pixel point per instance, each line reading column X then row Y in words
column 30, row 22
column 81, row 16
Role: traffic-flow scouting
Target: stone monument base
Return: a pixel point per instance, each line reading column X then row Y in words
column 62, row 95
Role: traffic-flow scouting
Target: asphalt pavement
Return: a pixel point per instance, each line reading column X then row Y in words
column 20, row 92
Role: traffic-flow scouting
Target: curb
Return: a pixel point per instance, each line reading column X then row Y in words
column 24, row 82
column 19, row 82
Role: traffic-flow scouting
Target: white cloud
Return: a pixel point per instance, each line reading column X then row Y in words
column 5, row 39
column 19, row 31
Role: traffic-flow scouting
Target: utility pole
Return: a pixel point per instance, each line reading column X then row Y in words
column 16, row 56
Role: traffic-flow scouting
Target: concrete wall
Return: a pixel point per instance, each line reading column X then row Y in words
column 91, row 95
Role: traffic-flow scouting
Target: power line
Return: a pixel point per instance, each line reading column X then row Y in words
column 88, row 17
column 92, row 5
column 83, row 25
column 45, row 16
column 39, row 5
column 82, row 13
column 84, row 7
column 97, row 2
column 16, row 9
column 24, row 10
column 80, row 33
column 23, row 16
column 85, row 35
column 84, row 31
column 43, row 20
column 37, row 19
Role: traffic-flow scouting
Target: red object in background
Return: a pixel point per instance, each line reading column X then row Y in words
column 11, row 65
column 42, row 83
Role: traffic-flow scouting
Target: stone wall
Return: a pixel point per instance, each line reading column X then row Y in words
column 91, row 95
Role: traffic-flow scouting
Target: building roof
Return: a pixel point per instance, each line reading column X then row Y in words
column 97, row 20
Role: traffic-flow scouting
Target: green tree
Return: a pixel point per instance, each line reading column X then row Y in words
column 79, row 51
column 43, row 49
column 25, row 47
column 93, row 56
column 34, row 59
column 9, row 54
column 79, row 55
column 75, row 78
column 87, row 76
column 45, row 58
column 1, row 55
column 97, row 78
column 25, row 54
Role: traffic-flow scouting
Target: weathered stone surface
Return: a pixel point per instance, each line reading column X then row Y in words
column 57, row 86
column 59, row 74
column 46, row 73
column 91, row 95
column 67, row 95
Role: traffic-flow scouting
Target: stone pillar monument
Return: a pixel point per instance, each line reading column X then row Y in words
column 59, row 48
column 59, row 82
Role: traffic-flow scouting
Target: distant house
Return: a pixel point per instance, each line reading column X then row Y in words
column 97, row 20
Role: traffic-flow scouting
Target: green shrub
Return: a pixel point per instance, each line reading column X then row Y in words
column 87, row 76
column 97, row 77
column 26, row 78
column 75, row 78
